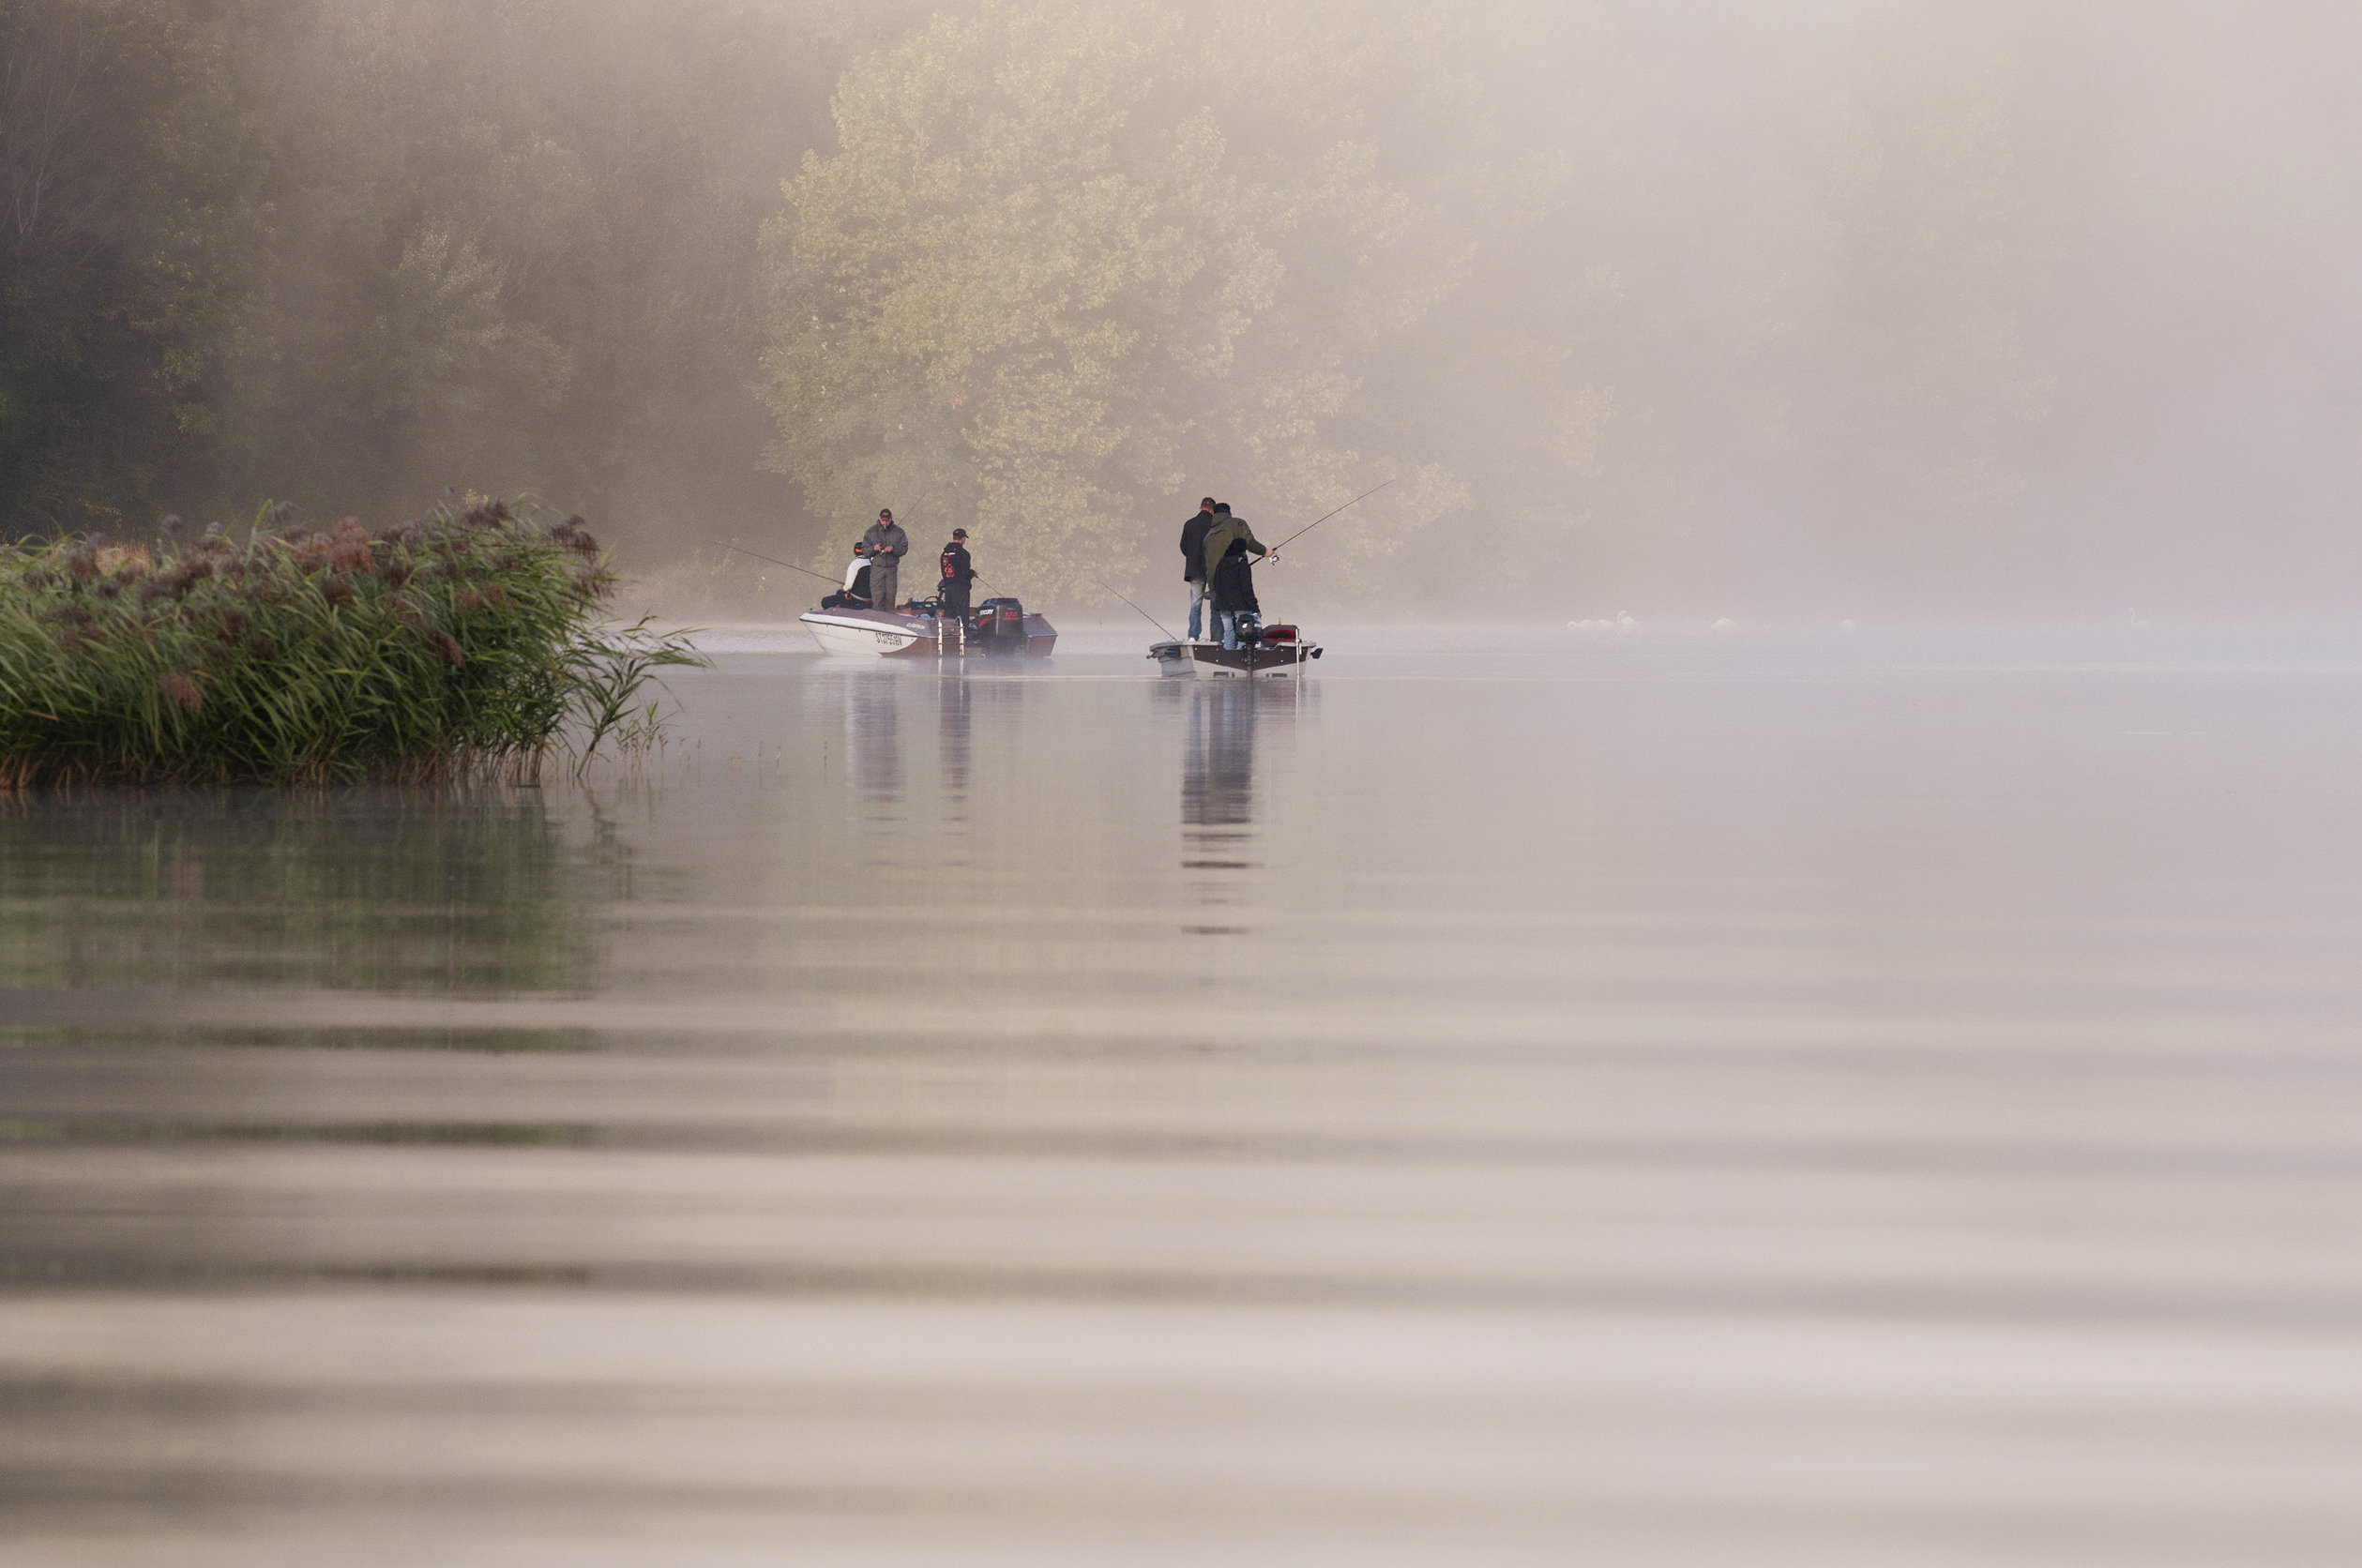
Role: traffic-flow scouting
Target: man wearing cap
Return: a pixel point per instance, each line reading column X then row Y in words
column 1193, row 559
column 957, row 574
column 885, row 544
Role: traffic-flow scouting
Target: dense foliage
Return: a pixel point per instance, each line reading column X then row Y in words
column 351, row 255
column 452, row 644
column 1067, row 257
column 1770, row 304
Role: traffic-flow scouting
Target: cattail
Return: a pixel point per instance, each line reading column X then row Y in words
column 183, row 690
column 336, row 591
column 450, row 646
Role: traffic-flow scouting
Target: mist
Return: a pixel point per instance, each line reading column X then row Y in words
column 526, row 1039
column 1795, row 313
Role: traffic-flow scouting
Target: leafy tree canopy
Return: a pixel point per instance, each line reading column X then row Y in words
column 1045, row 281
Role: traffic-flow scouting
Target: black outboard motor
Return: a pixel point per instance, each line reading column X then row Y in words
column 1000, row 627
column 1250, row 628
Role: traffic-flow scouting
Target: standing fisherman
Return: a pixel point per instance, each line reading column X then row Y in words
column 957, row 572
column 1193, row 559
column 1226, row 529
column 1234, row 591
column 886, row 544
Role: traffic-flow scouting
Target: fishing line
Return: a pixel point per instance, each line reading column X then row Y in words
column 788, row 565
column 1150, row 619
column 1325, row 516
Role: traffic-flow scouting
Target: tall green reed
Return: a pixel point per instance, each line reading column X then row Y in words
column 469, row 642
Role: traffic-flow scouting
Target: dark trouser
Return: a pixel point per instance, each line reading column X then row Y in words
column 882, row 575
column 955, row 597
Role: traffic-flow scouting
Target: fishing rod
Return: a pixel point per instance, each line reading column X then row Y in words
column 788, row 565
column 1151, row 619
column 1325, row 516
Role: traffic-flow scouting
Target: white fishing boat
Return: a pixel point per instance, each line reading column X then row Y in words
column 995, row 627
column 1277, row 651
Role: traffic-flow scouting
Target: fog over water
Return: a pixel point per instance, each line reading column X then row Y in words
column 1802, row 1100
column 1788, row 992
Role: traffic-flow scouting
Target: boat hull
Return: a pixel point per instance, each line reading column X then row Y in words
column 883, row 634
column 1212, row 661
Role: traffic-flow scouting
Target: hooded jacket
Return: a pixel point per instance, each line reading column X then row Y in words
column 1225, row 529
column 1234, row 583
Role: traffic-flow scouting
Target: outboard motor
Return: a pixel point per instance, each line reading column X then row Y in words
column 1000, row 627
column 1250, row 628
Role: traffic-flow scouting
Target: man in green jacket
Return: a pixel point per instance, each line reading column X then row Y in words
column 1225, row 529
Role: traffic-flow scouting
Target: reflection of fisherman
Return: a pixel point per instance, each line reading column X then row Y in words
column 885, row 544
column 957, row 572
column 1234, row 590
column 1193, row 559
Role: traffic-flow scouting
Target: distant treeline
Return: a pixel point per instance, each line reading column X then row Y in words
column 1623, row 294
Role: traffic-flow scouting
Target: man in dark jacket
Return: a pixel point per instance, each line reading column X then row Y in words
column 1193, row 559
column 1234, row 591
column 885, row 544
column 957, row 572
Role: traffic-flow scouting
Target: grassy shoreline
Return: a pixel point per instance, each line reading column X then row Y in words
column 466, row 644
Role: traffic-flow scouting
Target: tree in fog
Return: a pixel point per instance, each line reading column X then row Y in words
column 1040, row 282
column 133, row 261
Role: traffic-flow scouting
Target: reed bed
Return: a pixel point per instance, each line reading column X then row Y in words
column 470, row 643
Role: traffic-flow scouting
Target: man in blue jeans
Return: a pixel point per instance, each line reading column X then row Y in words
column 1193, row 560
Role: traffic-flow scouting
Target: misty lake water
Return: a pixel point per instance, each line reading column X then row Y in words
column 1652, row 1099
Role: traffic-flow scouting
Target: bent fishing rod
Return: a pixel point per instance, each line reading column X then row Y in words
column 1325, row 516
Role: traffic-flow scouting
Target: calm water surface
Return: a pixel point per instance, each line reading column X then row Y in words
column 1649, row 1100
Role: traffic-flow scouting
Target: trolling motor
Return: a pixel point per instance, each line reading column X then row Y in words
column 998, row 627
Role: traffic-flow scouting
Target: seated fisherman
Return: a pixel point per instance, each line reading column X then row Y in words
column 855, row 595
column 1234, row 591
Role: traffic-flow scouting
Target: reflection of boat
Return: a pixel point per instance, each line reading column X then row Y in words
column 1260, row 650
column 995, row 626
